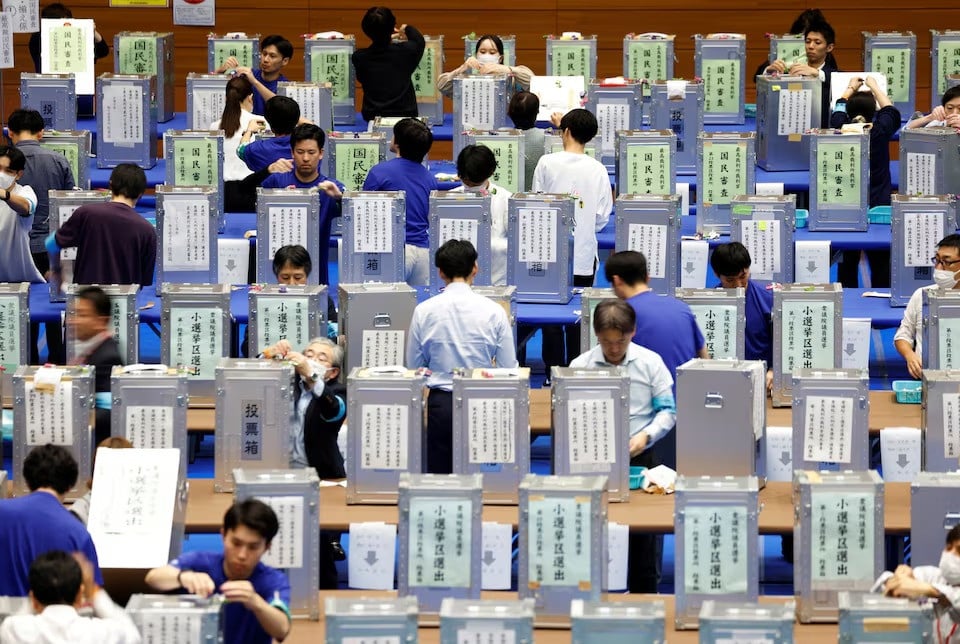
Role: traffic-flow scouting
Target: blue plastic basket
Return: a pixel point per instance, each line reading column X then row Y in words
column 801, row 217
column 879, row 215
column 908, row 391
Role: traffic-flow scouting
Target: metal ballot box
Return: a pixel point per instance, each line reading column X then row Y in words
column 255, row 401
column 945, row 52
column 195, row 333
column 572, row 56
column 540, row 261
column 838, row 533
column 508, row 146
column 246, row 49
column 52, row 405
column 187, row 222
column 206, row 96
column 386, row 435
column 553, row 142
column 374, row 318
column 731, row 622
column 568, row 514
column 721, row 408
column 716, row 542
column 831, row 428
column 75, row 145
column 591, row 425
column 126, row 120
column 766, row 224
column 185, row 619
column 589, row 299
column 352, row 154
column 600, row 622
column 648, row 56
column 646, row 162
column 440, row 524
column 14, row 335
column 726, row 167
column 286, row 216
column 54, row 96
column 618, row 106
column 491, row 429
column 429, row 98
column 63, row 203
column 917, row 223
column 124, row 320
column 719, row 61
column 315, row 101
column 296, row 313
column 479, row 103
column 839, row 180
column 807, row 333
column 929, row 161
column 506, row 297
column 12, row 605
column 934, row 511
column 195, row 158
column 894, row 54
column 787, row 106
column 374, row 234
column 678, row 105
column 941, row 327
column 486, row 620
column 327, row 60
column 941, row 421
column 790, row 48
column 461, row 215
column 294, row 496
column 384, row 125
column 650, row 224
column 870, row 617
column 721, row 314
column 952, row 81
column 509, row 47
column 151, row 53
column 348, row 619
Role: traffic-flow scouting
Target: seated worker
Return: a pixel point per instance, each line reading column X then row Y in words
column 523, row 110
column 412, row 140
column 487, row 59
column 799, row 27
column 59, row 585
column 946, row 114
column 385, row 68
column 275, row 52
column 257, row 595
column 819, row 39
column 283, row 114
column 909, row 337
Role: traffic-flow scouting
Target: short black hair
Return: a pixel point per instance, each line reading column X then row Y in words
column 307, row 132
column 614, row 314
column 494, row 38
column 293, row 254
column 950, row 241
column 730, row 259
column 456, row 258
column 949, row 95
column 581, row 124
column 823, row 28
column 98, row 298
column 282, row 113
column 128, row 180
column 55, row 578
column 806, row 17
column 284, row 46
column 51, row 466
column 628, row 265
column 17, row 161
column 378, row 23
column 953, row 535
column 255, row 515
column 861, row 104
column 476, row 163
column 56, row 10
column 25, row 120
column 414, row 138
column 523, row 110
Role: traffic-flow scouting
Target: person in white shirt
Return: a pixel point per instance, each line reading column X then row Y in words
column 946, row 114
column 239, row 187
column 475, row 165
column 59, row 584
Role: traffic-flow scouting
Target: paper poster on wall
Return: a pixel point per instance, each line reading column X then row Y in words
column 66, row 47
column 6, row 40
column 25, row 15
column 194, row 12
column 139, row 3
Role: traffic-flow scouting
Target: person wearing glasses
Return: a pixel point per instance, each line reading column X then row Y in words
column 946, row 265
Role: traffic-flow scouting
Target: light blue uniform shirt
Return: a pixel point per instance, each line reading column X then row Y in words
column 298, row 453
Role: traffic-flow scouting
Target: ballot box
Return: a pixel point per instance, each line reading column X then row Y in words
column 187, row 223
column 286, row 216
column 13, row 605
column 719, row 61
column 245, row 49
column 838, row 533
column 151, row 53
column 461, row 215
column 790, row 48
column 509, row 148
column 766, row 224
column 553, row 142
column 63, row 203
column 941, row 420
column 327, row 60
column 315, row 100
column 295, row 313
column 195, row 325
column 54, row 96
column 894, row 54
column 479, row 103
column 589, row 299
column 14, row 334
column 126, row 120
column 933, row 513
column 831, row 410
column 352, row 154
column 618, row 106
column 572, row 56
column 722, row 621
column 726, row 167
column 646, row 162
column 206, row 96
column 648, row 56
column 186, row 619
column 650, row 224
column 677, row 105
column 929, row 161
column 355, row 619
column 941, row 328
column 721, row 314
column 540, row 261
column 374, row 234
column 946, row 61
column 195, row 158
column 600, row 622
column 425, row 76
column 839, row 180
column 917, row 223
column 75, row 146
column 486, row 620
column 509, row 47
column 506, row 297
column 872, row 617
column 124, row 320
column 787, row 106
column 375, row 318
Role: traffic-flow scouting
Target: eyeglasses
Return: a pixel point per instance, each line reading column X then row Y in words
column 946, row 263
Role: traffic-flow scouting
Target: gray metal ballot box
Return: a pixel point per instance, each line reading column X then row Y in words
column 787, row 106
column 12, row 605
column 14, row 334
column 52, row 405
column 945, row 55
column 327, row 60
column 721, row 316
column 929, row 161
column 195, row 333
column 807, row 333
column 589, row 299
column 716, row 543
column 831, row 411
column 838, row 532
column 766, row 224
column 650, row 224
column 294, row 496
column 721, row 405
column 678, row 105
column 54, row 96
column 461, row 215
column 296, row 313
column 934, row 511
column 439, row 538
column 509, row 47
column 76, row 146
column 424, row 77
column 600, row 622
column 353, row 619
column 722, row 621
column 206, row 96
column 568, row 513
column 246, row 49
column 509, row 148
column 572, row 56
column 375, row 318
column 917, row 223
column 790, row 48
column 286, row 216
column 63, row 203
column 871, row 617
column 374, row 234
column 186, row 619
column 952, row 80
column 151, row 53
column 479, row 103
column 553, row 142
column 491, row 429
column 195, row 158
column 648, row 56
column 540, row 261
column 124, row 320
column 719, row 61
column 839, row 180
column 618, row 106
column 941, row 328
column 386, row 432
column 646, row 162
column 726, row 167
column 486, row 620
column 126, row 120
column 941, row 421
column 315, row 100
column 894, row 54
column 352, row 154
column 506, row 297
column 187, row 223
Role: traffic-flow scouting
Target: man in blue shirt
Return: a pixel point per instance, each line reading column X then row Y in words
column 258, row 596
column 283, row 114
column 275, row 52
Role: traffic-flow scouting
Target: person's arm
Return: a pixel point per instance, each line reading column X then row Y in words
column 664, row 407
column 101, row 48
column 777, row 66
column 938, row 114
column 148, row 262
column 445, row 80
column 605, row 204
column 22, row 200
column 415, row 357
column 265, row 92
column 255, row 125
column 415, row 40
column 115, row 619
column 703, row 353
column 882, row 99
column 272, row 616
column 522, row 75
column 506, row 354
column 906, row 337
column 167, row 578
column 66, row 177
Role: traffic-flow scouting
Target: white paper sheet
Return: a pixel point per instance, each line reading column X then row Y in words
column 693, row 263
column 856, row 343
column 618, row 545
column 122, row 114
column 591, row 430
column 286, row 549
column 49, row 416
column 25, row 14
column 495, row 555
column 373, row 226
column 794, row 111
column 186, row 235
column 468, row 229
column 812, row 262
column 372, row 555
column 780, row 454
column 900, row 453
column 651, row 240
column 491, row 430
column 381, row 348
column 840, row 80
column 762, row 239
column 6, row 40
column 921, row 174
column 287, row 226
column 384, row 437
column 557, row 94
column 922, row 231
column 233, row 261
column 57, row 32
column 538, row 235
column 150, row 426
column 828, row 429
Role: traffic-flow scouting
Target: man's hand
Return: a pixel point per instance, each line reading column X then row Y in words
column 802, row 69
column 769, row 380
column 256, row 125
column 280, row 165
column 241, row 590
column 903, row 571
column 280, row 349
column 907, row 587
column 470, row 63
column 330, row 188
column 777, row 66
column 555, row 118
column 197, row 583
column 89, row 586
column 914, row 365
column 230, row 63
column 638, row 443
column 400, row 33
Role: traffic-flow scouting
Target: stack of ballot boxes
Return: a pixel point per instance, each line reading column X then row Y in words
column 63, row 203
column 315, row 101
column 618, row 105
column 934, row 511
column 195, row 158
column 374, row 318
column 539, row 261
column 126, row 120
column 461, row 215
column 124, row 320
column 296, row 313
column 831, row 410
column 177, row 618
column 54, row 96
column 677, row 105
column 479, row 103
column 839, row 180
column 425, row 76
column 374, row 225
column 52, row 405
column 439, row 538
column 787, row 107
column 187, row 222
column 350, row 619
column 206, row 96
column 765, row 224
column 943, row 47
column 716, row 543
column 726, row 167
column 572, row 55
column 75, row 145
column 486, row 620
column 327, row 60
column 894, row 54
column 929, row 161
column 509, row 148
column 722, row 621
column 589, row 299
column 491, row 429
column 646, row 162
column 245, row 49
column 286, row 216
column 720, row 313
column 195, row 325
column 917, row 224
column 597, row 622
column 151, row 53
column 871, row 617
column 386, row 432
column 650, row 224
column 294, row 496
column 14, row 333
column 648, row 57
column 941, row 420
column 719, row 61
column 838, row 534
column 941, row 328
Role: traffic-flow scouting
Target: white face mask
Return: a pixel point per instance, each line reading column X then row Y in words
column 944, row 279
column 7, row 180
column 950, row 568
column 488, row 58
column 482, row 189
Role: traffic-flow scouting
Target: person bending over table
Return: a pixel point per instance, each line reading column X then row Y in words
column 946, row 114
column 275, row 52
column 487, row 59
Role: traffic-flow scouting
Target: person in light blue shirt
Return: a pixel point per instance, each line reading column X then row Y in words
column 455, row 329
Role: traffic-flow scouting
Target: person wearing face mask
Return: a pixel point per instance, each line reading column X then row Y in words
column 17, row 206
column 487, row 59
column 908, row 339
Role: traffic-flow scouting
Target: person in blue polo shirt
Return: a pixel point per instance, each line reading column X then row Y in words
column 275, row 52
column 283, row 114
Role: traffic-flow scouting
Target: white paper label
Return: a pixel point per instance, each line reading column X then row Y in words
column 25, row 15
column 233, row 258
column 618, row 545
column 921, row 174
column 373, row 226
column 286, row 549
column 439, row 543
column 827, row 429
column 693, row 263
column 718, row 323
column 308, row 98
column 381, row 348
column 949, row 336
column 159, row 628
column 780, row 454
column 842, row 542
column 384, row 437
column 856, row 343
column 611, row 118
column 812, row 262
column 287, row 227
column 49, row 414
column 186, row 235
column 496, row 554
column 804, row 343
column 762, row 239
column 560, row 542
column 921, row 232
column 538, row 235
column 10, row 333
column 122, row 114
column 371, row 559
column 67, row 254
column 592, row 432
column 207, row 107
column 900, row 449
column 715, row 550
column 651, row 240
column 150, row 426
column 794, row 111
column 6, row 40
column 468, row 229
column 951, row 426
column 491, row 429
column 480, row 635
column 479, row 99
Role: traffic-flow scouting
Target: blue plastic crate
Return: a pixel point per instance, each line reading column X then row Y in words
column 908, row 391
column 879, row 215
column 801, row 217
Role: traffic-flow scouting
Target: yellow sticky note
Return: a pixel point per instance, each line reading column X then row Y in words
column 761, row 225
column 774, row 88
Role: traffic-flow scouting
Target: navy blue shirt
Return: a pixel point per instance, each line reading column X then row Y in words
column 886, row 122
column 261, row 153
column 258, row 102
column 417, row 182
column 758, row 339
column 668, row 327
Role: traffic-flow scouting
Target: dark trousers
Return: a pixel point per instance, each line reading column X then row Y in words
column 439, row 449
column 328, row 568
column 561, row 343
column 646, row 550
column 56, row 352
column 848, row 271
